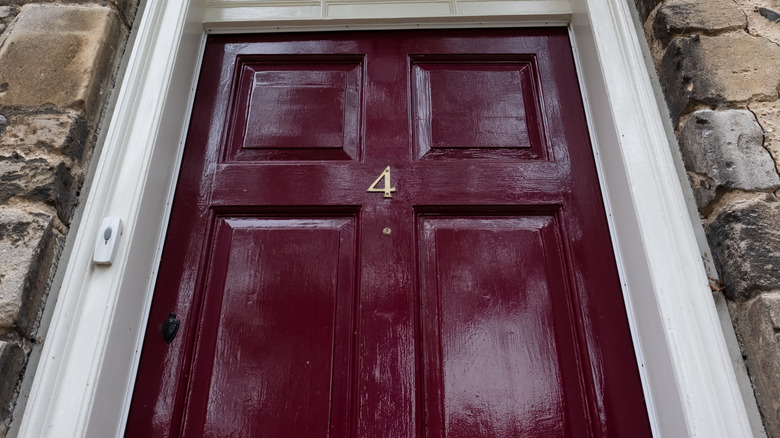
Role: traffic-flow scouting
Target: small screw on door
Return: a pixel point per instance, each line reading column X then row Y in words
column 387, row 231
column 170, row 327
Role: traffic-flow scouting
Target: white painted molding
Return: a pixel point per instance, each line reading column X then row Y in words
column 220, row 11
column 689, row 380
column 236, row 17
column 86, row 372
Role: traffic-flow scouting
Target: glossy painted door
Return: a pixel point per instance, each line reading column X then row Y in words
column 472, row 292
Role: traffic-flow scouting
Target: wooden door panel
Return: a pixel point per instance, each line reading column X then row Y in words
column 498, row 346
column 296, row 108
column 276, row 358
column 475, row 107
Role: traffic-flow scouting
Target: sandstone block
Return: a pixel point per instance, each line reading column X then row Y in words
column 35, row 135
column 59, row 54
column 713, row 70
column 12, row 358
column 38, row 179
column 745, row 242
column 757, row 325
column 676, row 17
column 28, row 247
column 726, row 149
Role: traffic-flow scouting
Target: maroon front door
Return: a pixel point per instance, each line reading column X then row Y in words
column 391, row 234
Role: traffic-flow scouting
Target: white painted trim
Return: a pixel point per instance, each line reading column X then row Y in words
column 87, row 367
column 689, row 380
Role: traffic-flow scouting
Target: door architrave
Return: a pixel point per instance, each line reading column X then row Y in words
column 86, row 373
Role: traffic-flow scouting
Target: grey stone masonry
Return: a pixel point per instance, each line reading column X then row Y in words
column 725, row 150
column 60, row 134
column 715, row 70
column 38, row 180
column 745, row 242
column 12, row 358
column 40, row 159
column 686, row 17
column 57, row 61
column 758, row 327
column 28, row 245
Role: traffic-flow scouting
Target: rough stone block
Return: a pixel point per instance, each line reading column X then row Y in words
column 725, row 148
column 36, row 135
column 761, row 18
column 768, row 116
column 12, row 359
column 757, row 325
column 29, row 244
column 38, row 179
column 59, row 54
column 677, row 17
column 729, row 68
column 745, row 242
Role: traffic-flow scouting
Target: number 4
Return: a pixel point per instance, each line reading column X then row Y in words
column 387, row 189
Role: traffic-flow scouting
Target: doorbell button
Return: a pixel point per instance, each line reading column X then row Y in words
column 107, row 241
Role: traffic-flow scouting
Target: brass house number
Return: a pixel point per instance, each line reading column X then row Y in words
column 387, row 190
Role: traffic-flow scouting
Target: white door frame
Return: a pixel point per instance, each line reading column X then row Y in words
column 85, row 376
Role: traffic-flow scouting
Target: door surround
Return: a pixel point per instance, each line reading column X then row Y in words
column 84, row 379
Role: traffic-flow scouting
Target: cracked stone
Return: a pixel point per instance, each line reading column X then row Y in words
column 725, row 148
column 758, row 23
column 28, row 247
column 715, row 70
column 745, row 242
column 757, row 324
column 768, row 115
column 677, row 17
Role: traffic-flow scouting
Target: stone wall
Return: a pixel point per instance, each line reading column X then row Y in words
column 57, row 64
column 718, row 62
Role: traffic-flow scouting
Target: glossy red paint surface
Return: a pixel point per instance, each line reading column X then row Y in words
column 480, row 300
column 497, row 343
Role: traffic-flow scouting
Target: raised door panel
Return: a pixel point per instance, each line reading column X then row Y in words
column 296, row 108
column 476, row 107
column 498, row 351
column 273, row 354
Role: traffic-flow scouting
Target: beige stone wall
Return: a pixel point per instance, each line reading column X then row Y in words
column 718, row 62
column 58, row 60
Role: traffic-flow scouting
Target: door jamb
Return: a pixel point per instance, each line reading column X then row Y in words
column 86, row 373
